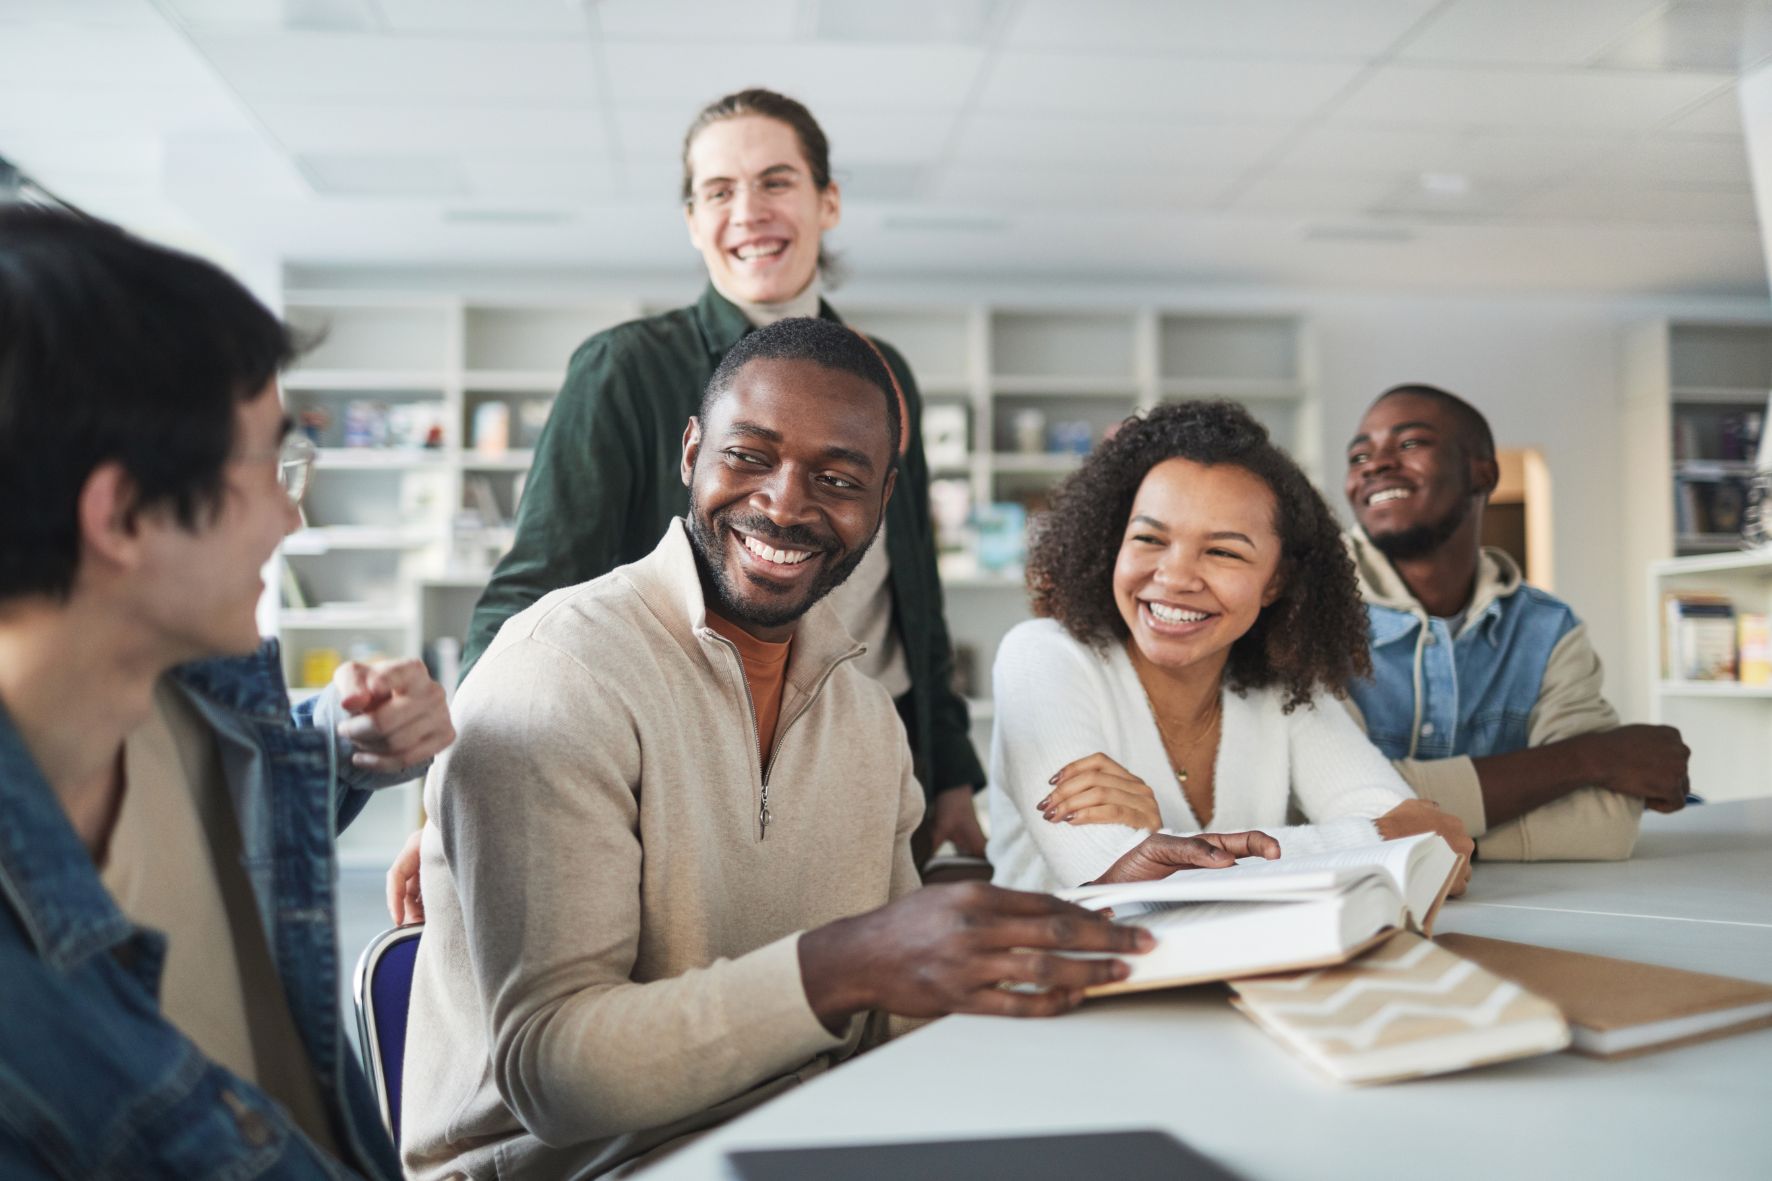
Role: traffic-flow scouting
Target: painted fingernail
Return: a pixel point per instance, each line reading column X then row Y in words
column 1069, row 816
column 1044, row 804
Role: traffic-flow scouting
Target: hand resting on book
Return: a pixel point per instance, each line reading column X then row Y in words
column 1159, row 855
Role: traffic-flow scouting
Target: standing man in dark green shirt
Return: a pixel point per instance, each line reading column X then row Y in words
column 758, row 196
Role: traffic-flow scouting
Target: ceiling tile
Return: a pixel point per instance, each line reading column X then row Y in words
column 1314, row 194
column 553, row 177
column 1690, row 208
column 1691, row 36
column 382, row 174
column 1058, row 140
column 1335, row 148
column 1011, row 190
column 332, row 67
column 1527, row 32
column 335, row 16
column 125, row 13
column 906, row 22
column 706, row 20
column 1256, row 28
column 855, row 136
column 58, row 56
column 821, row 76
column 507, row 18
column 1159, row 85
column 1664, row 161
column 1534, row 100
column 1718, row 115
column 428, row 127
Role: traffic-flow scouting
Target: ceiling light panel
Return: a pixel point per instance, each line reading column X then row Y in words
column 1526, row 32
column 1160, row 85
column 340, row 68
column 546, row 177
column 1528, row 100
column 1252, row 28
column 822, row 76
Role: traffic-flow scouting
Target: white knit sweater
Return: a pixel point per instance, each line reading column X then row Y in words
column 1059, row 699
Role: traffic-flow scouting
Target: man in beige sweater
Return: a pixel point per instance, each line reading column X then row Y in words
column 662, row 858
column 1486, row 691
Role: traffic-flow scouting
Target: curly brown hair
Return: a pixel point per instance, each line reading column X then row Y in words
column 1311, row 639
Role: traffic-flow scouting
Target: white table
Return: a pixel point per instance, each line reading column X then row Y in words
column 1698, row 894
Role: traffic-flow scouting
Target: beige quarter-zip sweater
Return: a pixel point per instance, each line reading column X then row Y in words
column 610, row 960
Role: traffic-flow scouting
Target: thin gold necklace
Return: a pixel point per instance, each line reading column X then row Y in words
column 1163, row 731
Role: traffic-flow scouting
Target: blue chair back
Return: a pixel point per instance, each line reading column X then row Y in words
column 382, row 986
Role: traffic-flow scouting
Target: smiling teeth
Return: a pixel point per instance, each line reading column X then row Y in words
column 1175, row 614
column 747, row 253
column 1388, row 494
column 781, row 557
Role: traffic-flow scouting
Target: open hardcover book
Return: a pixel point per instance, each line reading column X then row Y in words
column 1275, row 916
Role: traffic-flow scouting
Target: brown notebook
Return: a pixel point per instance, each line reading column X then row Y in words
column 1618, row 1007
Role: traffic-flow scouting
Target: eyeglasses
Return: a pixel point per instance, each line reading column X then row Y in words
column 719, row 194
column 295, row 465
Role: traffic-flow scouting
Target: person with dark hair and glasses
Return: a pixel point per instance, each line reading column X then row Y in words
column 667, row 867
column 1197, row 618
column 758, row 197
column 168, row 949
column 1486, row 691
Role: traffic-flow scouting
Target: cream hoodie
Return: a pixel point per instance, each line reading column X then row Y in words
column 611, row 955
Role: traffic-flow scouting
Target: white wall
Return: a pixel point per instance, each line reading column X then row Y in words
column 1546, row 376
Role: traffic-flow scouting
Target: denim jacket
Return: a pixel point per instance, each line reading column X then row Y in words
column 1432, row 695
column 94, row 1082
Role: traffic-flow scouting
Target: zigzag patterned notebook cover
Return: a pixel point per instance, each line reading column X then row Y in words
column 1406, row 1008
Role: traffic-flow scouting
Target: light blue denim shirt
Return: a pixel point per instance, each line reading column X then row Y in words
column 94, row 1082
column 1433, row 695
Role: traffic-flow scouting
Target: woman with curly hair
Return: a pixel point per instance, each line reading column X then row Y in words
column 1199, row 616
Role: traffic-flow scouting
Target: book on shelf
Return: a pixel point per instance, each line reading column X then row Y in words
column 1274, row 916
column 1406, row 1009
column 1698, row 636
column 1753, row 642
column 1620, row 1007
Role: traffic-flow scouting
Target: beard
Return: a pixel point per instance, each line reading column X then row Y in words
column 726, row 597
column 1418, row 541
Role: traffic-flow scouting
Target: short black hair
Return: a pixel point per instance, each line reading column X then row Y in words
column 1473, row 428
column 823, row 342
column 1310, row 639
column 113, row 349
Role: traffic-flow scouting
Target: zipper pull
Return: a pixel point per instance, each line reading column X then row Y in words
column 763, row 815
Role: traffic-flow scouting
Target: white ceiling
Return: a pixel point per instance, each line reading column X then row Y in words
column 1585, row 145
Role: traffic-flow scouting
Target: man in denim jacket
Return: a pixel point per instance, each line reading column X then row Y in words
column 150, row 776
column 1485, row 691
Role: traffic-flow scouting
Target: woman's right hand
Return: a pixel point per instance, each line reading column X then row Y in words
column 1097, row 790
column 1418, row 816
column 406, row 903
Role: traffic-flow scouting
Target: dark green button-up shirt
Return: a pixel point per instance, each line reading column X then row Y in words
column 605, row 485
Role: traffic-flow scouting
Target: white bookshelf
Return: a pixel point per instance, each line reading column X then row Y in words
column 389, row 572
column 1727, row 725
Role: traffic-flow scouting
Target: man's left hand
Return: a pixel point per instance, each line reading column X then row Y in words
column 398, row 717
column 952, row 818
